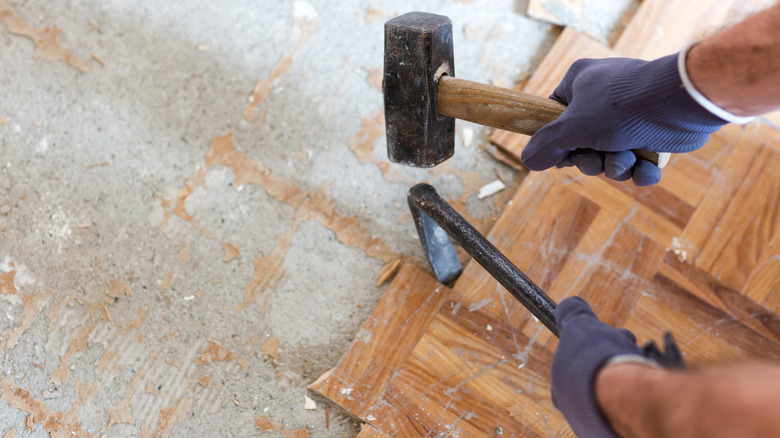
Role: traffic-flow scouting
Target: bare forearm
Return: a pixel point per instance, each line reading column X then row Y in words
column 726, row 401
column 739, row 68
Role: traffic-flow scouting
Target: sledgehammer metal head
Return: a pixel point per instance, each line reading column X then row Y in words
column 418, row 51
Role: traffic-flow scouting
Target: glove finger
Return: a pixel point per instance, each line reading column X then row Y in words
column 564, row 92
column 571, row 307
column 589, row 161
column 628, row 334
column 566, row 162
column 548, row 147
column 646, row 173
column 619, row 165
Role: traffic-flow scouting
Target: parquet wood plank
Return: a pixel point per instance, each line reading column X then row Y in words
column 754, row 195
column 384, row 342
column 620, row 204
column 726, row 180
column 761, row 236
column 708, row 289
column 371, row 432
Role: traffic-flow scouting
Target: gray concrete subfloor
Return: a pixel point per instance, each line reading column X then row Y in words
column 108, row 178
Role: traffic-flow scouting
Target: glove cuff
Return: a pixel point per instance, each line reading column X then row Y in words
column 700, row 98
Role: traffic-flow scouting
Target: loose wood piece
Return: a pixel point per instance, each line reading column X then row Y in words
column 561, row 12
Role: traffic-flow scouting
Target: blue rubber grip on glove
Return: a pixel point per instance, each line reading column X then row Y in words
column 616, row 105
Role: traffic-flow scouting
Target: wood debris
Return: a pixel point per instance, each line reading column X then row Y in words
column 97, row 58
column 202, row 47
column 44, row 38
column 93, row 23
column 214, row 353
column 84, row 225
column 231, row 251
column 560, row 12
column 183, row 256
column 388, row 271
column 101, row 164
column 3, row 121
column 243, row 363
column 504, row 157
column 271, row 347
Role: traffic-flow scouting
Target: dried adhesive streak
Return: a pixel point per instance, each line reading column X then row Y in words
column 171, row 415
column 262, row 88
column 31, row 306
column 44, row 39
column 309, row 205
column 120, row 413
column 58, row 424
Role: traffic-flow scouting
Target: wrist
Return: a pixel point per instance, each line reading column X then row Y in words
column 634, row 398
column 705, row 89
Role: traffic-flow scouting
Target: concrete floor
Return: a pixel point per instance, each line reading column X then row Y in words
column 249, row 131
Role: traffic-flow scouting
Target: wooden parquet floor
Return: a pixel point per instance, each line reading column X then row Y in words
column 698, row 254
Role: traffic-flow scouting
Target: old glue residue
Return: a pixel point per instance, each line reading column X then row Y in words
column 44, row 38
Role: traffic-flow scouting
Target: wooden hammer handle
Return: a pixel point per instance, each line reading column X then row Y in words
column 507, row 109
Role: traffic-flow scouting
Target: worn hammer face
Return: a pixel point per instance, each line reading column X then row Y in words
column 418, row 50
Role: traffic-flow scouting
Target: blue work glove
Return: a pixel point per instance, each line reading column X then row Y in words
column 585, row 346
column 616, row 105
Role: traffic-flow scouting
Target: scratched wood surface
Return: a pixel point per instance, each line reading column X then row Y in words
column 698, row 254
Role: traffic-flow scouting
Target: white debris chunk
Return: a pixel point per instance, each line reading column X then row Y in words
column 491, row 189
column 308, row 403
column 467, row 134
column 304, row 11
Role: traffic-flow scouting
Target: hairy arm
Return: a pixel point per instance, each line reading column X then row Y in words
column 738, row 69
column 721, row 401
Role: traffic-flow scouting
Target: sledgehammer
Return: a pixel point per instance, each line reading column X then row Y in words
column 423, row 97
